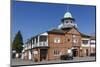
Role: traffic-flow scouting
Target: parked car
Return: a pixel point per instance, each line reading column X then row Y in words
column 66, row 57
column 93, row 54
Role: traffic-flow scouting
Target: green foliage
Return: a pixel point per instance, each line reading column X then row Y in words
column 18, row 42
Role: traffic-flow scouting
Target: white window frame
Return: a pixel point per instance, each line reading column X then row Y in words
column 85, row 43
column 57, row 40
column 74, row 41
column 56, row 52
column 73, row 35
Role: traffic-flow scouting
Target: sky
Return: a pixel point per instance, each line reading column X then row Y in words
column 33, row 18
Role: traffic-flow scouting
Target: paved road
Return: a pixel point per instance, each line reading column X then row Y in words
column 29, row 62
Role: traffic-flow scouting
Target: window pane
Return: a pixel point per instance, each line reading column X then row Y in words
column 85, row 41
column 56, row 40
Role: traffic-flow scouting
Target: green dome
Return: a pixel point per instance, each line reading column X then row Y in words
column 68, row 15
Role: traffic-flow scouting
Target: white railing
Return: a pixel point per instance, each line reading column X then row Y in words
column 40, row 44
column 34, row 45
column 43, row 44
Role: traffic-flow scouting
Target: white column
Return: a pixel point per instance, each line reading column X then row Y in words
column 29, row 45
column 32, row 43
column 26, row 46
column 30, row 56
column 47, row 40
column 35, row 41
column 22, row 56
column 38, row 40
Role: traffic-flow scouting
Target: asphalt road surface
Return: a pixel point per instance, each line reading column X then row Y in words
column 17, row 62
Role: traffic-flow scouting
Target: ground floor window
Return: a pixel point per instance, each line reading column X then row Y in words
column 56, row 52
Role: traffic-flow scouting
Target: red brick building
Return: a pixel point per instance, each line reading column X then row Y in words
column 51, row 44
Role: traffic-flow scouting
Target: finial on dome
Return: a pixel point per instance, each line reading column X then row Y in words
column 68, row 14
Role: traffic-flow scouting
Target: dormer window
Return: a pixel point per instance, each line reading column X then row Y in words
column 67, row 21
column 71, row 21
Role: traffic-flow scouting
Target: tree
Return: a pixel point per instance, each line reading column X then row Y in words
column 18, row 42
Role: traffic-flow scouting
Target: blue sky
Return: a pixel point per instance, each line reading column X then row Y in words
column 32, row 18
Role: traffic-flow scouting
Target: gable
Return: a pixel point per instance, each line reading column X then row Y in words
column 74, row 31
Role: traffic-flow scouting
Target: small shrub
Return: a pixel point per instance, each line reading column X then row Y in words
column 63, row 57
column 36, row 60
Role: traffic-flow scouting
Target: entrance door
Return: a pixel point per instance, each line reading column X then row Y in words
column 43, row 54
column 86, row 52
column 75, row 52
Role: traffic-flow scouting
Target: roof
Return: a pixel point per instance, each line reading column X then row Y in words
column 93, row 37
column 59, row 31
column 68, row 15
column 85, row 35
column 67, row 19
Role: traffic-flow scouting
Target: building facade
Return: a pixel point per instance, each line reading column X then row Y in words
column 85, row 45
column 93, row 46
column 51, row 44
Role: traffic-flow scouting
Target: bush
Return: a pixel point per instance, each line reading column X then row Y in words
column 63, row 57
column 36, row 60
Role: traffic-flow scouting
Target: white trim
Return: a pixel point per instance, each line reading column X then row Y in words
column 38, row 40
column 35, row 41
column 30, row 55
column 57, row 40
column 92, row 45
column 45, row 33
